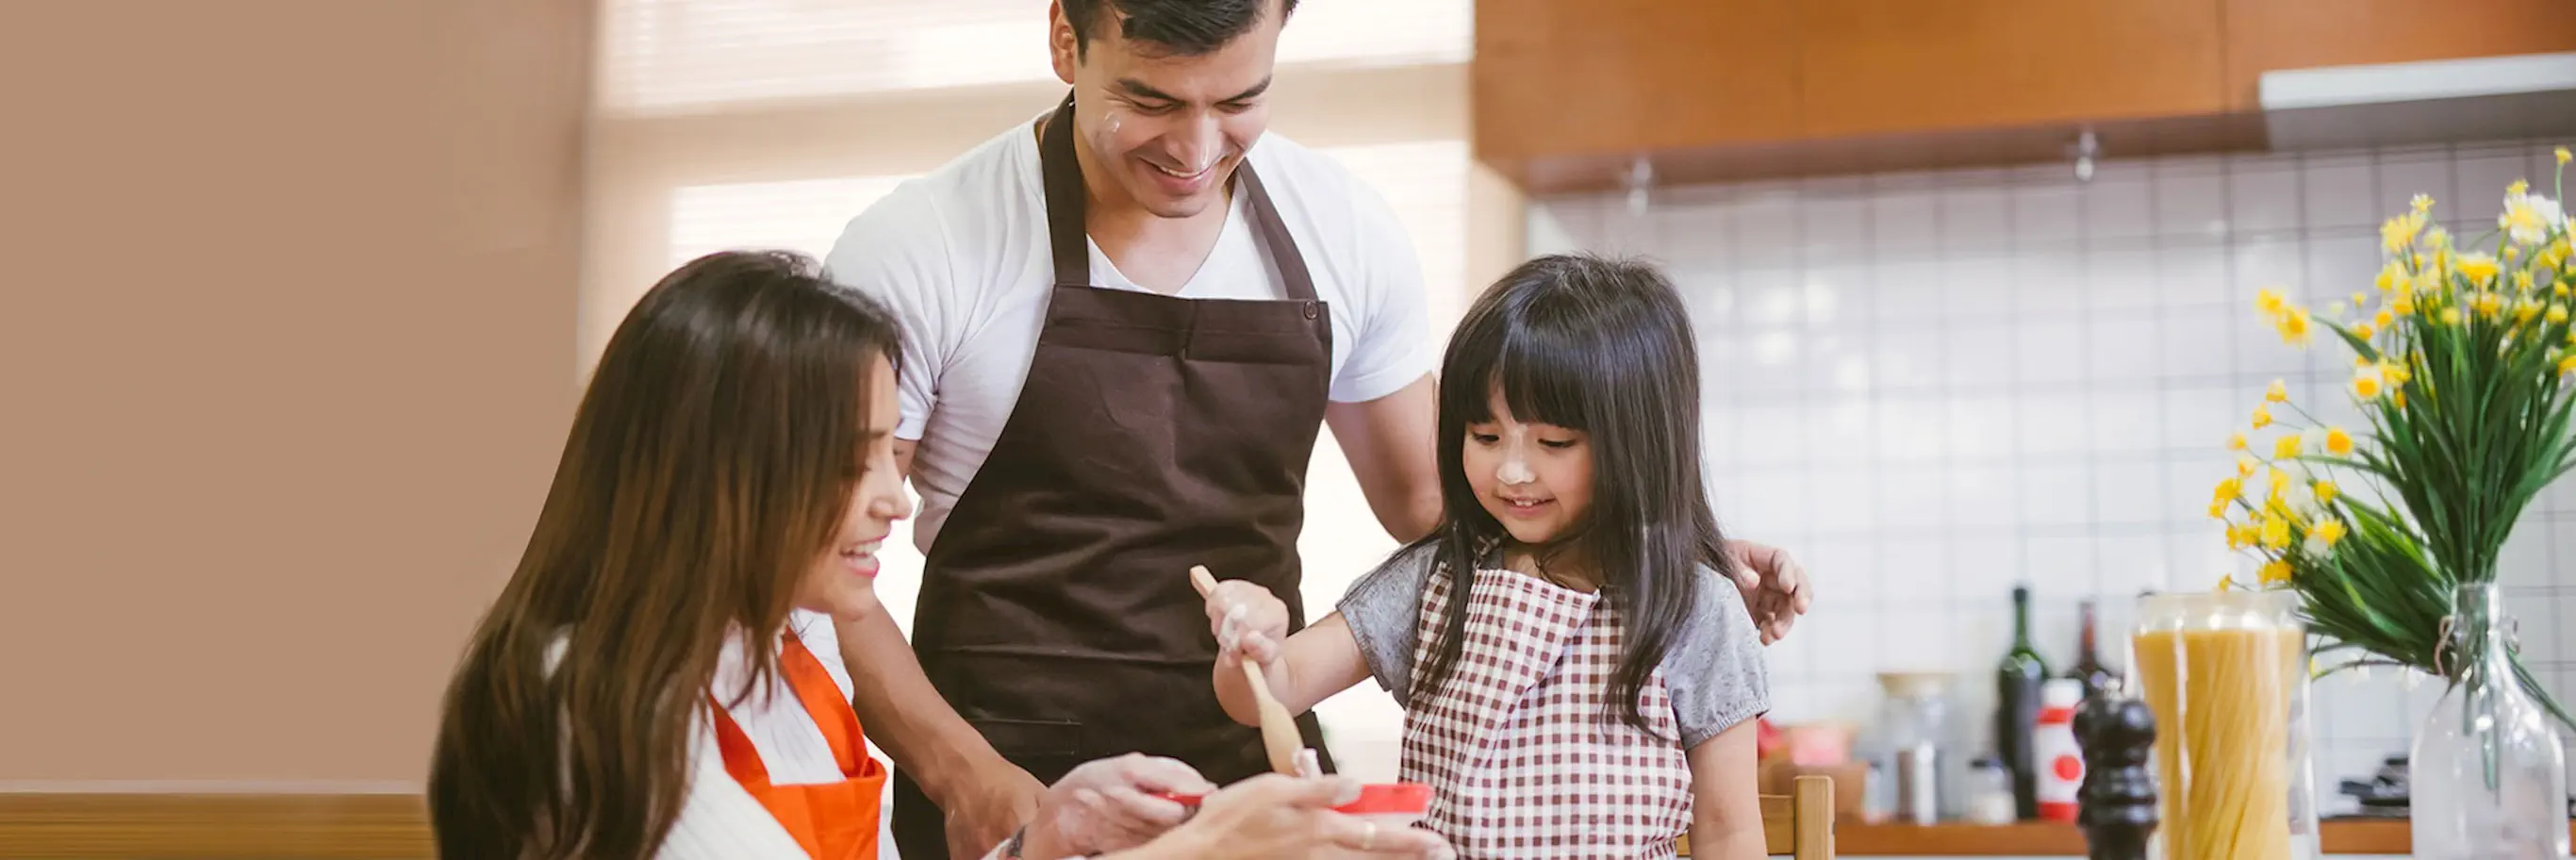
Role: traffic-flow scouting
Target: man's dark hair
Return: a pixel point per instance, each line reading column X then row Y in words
column 1187, row 28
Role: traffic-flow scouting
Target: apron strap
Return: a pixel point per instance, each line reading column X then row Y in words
column 821, row 696
column 741, row 759
column 1067, row 202
column 823, row 701
column 1274, row 235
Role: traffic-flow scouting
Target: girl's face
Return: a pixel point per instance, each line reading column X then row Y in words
column 1535, row 478
column 842, row 581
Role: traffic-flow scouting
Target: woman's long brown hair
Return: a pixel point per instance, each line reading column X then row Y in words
column 709, row 465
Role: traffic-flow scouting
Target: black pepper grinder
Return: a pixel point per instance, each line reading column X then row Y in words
column 2116, row 806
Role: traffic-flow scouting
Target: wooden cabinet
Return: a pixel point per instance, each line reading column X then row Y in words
column 1568, row 92
column 1905, row 66
column 1558, row 77
column 2266, row 35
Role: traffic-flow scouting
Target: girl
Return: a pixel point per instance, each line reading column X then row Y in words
column 1578, row 673
column 660, row 678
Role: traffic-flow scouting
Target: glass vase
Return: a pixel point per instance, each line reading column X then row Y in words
column 2488, row 776
column 2226, row 674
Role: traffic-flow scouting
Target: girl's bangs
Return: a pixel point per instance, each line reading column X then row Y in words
column 1542, row 375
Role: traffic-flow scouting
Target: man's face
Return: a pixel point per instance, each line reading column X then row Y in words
column 1167, row 129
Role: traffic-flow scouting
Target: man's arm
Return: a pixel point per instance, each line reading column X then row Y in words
column 984, row 795
column 899, row 252
column 895, row 700
column 1390, row 444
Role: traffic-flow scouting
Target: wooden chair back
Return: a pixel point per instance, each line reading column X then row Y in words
column 1798, row 825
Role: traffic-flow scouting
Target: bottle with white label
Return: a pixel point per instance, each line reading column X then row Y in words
column 2054, row 752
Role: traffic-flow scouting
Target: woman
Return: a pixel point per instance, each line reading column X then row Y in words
column 658, row 679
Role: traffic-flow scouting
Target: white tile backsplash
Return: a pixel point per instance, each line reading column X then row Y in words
column 1976, row 219
column 2050, row 284
column 2190, row 276
column 2122, row 282
column 2123, row 346
column 2051, row 351
column 2482, row 171
column 2337, row 189
column 2056, row 493
column 2404, row 174
column 2117, row 208
column 2198, row 343
column 1981, row 496
column 2192, row 205
column 1979, row 287
column 2047, row 214
column 2128, row 419
column 2263, row 193
column 1932, row 387
column 1905, row 223
column 2130, row 492
column 1915, row 499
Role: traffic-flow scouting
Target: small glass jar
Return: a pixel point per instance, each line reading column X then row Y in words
column 1990, row 793
column 2226, row 674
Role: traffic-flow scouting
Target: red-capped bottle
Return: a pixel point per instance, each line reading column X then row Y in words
column 2054, row 751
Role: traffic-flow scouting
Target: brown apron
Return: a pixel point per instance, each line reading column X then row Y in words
column 1154, row 433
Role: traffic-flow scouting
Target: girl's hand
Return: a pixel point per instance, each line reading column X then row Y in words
column 1249, row 622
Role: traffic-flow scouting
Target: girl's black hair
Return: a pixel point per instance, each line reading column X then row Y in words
column 1602, row 346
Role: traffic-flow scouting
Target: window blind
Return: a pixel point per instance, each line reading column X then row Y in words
column 675, row 55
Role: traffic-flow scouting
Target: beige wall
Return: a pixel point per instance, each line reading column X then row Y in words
column 284, row 364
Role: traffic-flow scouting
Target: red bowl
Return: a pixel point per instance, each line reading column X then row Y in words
column 1385, row 798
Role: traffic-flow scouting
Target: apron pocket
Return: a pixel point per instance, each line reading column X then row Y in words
column 1019, row 738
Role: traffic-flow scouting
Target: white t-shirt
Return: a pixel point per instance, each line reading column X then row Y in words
column 962, row 255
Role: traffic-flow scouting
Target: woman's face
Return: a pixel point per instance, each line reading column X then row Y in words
column 842, row 581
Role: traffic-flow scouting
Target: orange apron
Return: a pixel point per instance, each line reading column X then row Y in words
column 835, row 820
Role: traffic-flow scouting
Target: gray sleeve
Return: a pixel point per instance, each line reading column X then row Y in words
column 1383, row 610
column 1715, row 670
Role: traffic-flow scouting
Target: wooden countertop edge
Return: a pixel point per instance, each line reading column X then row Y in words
column 126, row 826
column 395, row 826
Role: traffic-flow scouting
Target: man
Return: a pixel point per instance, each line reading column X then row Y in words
column 1124, row 327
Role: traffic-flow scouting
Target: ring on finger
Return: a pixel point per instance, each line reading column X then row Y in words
column 1368, row 838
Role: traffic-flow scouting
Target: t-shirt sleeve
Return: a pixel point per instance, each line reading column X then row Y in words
column 1383, row 610
column 1715, row 671
column 1394, row 344
column 898, row 252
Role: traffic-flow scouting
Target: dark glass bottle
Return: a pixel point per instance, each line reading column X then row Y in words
column 2018, row 681
column 2088, row 668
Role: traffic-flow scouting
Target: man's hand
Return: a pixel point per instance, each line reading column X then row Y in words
column 1775, row 587
column 987, row 807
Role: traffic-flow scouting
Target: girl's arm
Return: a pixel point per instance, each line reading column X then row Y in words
column 1311, row 666
column 1726, row 804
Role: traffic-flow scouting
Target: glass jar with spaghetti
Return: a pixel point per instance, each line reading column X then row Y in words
column 2226, row 674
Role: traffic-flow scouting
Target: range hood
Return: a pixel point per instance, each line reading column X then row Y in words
column 2385, row 104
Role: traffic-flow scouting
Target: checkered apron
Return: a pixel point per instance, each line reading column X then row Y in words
column 1523, row 758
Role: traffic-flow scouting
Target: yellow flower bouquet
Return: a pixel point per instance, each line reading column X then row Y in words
column 2464, row 369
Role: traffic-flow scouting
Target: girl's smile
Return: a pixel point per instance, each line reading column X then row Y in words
column 1535, row 478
